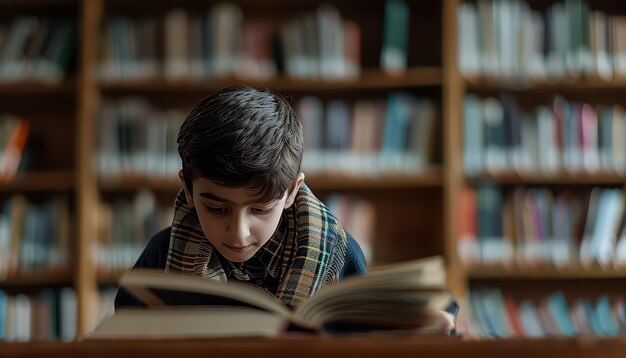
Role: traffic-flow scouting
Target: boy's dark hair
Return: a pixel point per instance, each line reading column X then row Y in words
column 242, row 137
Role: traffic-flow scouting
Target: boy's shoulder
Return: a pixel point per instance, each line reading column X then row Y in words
column 354, row 261
column 155, row 253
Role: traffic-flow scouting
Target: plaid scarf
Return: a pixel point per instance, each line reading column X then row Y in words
column 313, row 254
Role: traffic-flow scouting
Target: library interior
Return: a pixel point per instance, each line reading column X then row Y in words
column 489, row 133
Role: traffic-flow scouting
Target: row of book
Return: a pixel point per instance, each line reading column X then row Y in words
column 124, row 228
column 14, row 134
column 530, row 226
column 489, row 313
column 320, row 44
column 511, row 41
column 34, row 236
column 48, row 315
column 565, row 136
column 369, row 137
column 37, row 48
column 133, row 137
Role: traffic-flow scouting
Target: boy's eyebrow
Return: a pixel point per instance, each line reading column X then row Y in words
column 222, row 200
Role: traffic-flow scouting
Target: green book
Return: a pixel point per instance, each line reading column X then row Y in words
column 393, row 57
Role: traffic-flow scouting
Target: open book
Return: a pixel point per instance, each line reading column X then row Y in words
column 405, row 297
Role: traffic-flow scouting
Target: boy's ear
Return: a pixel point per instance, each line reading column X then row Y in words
column 292, row 196
column 188, row 196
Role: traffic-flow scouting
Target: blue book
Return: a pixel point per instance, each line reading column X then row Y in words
column 473, row 135
column 493, row 302
column 394, row 131
column 606, row 320
column 485, row 320
column 592, row 318
column 530, row 319
column 338, row 126
column 560, row 312
column 3, row 315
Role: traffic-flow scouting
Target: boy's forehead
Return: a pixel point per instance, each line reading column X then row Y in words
column 230, row 194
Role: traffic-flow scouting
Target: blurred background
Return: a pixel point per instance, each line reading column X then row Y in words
column 491, row 132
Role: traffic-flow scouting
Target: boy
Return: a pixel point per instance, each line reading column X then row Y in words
column 244, row 212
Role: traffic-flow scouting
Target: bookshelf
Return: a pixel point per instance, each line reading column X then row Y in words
column 43, row 181
column 562, row 178
column 528, row 85
column 67, row 113
column 67, row 87
column 580, row 85
column 431, row 177
column 417, row 211
column 38, row 280
column 545, row 272
column 368, row 80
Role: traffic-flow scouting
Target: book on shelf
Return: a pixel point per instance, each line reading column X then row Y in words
column 369, row 137
column 467, row 245
column 405, row 298
column 14, row 146
column 567, row 138
column 490, row 312
column 224, row 42
column 124, row 227
column 34, row 237
column 495, row 247
column 538, row 226
column 37, row 49
column 47, row 315
column 515, row 42
column 394, row 52
column 134, row 138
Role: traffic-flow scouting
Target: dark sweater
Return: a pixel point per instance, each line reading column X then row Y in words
column 155, row 256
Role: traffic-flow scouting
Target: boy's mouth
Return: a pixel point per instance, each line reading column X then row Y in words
column 238, row 249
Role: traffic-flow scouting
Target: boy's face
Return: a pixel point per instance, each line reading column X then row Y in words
column 234, row 221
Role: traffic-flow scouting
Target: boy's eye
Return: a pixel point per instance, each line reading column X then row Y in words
column 261, row 211
column 216, row 210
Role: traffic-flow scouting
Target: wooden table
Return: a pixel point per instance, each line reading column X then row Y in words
column 324, row 347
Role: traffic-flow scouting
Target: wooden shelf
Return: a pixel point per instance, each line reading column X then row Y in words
column 556, row 179
column 135, row 182
column 431, row 177
column 583, row 84
column 39, row 2
column 369, row 79
column 545, row 272
column 59, row 180
column 22, row 88
column 42, row 279
column 330, row 346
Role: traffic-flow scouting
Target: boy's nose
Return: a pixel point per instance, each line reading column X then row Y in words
column 239, row 228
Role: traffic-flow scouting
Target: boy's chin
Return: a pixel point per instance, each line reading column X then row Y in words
column 237, row 257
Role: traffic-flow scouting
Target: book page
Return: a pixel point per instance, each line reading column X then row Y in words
column 162, row 289
column 400, row 295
